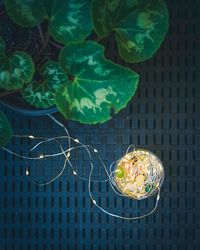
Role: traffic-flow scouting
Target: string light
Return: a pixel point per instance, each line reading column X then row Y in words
column 138, row 174
column 111, row 173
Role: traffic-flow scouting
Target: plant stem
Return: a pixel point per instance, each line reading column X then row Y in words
column 41, row 33
column 45, row 43
column 6, row 93
column 98, row 39
column 95, row 37
column 56, row 45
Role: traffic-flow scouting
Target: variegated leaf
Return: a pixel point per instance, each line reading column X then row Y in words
column 69, row 20
column 15, row 70
column 42, row 94
column 140, row 26
column 99, row 86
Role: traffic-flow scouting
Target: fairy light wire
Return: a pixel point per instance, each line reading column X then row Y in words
column 57, row 176
column 67, row 153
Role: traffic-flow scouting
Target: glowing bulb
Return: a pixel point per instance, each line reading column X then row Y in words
column 74, row 173
column 94, row 202
column 95, row 150
column 31, row 137
column 68, row 155
column 41, row 156
column 76, row 140
column 27, row 172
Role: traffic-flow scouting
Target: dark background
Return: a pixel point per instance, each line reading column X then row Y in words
column 162, row 117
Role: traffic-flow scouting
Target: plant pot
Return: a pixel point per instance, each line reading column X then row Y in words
column 16, row 103
column 20, row 38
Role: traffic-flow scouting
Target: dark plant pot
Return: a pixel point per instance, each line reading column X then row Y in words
column 16, row 103
column 15, row 35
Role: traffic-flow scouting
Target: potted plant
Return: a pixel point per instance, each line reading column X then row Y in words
column 69, row 71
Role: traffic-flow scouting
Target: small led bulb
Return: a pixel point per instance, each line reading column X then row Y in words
column 41, row 156
column 31, row 137
column 74, row 173
column 68, row 155
column 94, row 202
column 76, row 140
column 27, row 172
column 95, row 150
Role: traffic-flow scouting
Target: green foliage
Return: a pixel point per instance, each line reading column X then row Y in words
column 42, row 94
column 99, row 85
column 84, row 85
column 5, row 130
column 69, row 20
column 140, row 26
column 15, row 70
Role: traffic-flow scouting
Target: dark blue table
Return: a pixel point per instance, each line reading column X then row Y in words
column 163, row 117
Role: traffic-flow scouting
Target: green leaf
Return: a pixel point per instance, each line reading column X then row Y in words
column 69, row 20
column 99, row 86
column 15, row 70
column 42, row 94
column 5, row 130
column 140, row 26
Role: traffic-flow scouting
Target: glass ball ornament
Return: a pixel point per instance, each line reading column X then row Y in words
column 139, row 174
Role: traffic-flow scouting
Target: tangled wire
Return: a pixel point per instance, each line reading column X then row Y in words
column 138, row 175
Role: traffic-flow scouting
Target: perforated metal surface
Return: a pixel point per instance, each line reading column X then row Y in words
column 163, row 117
